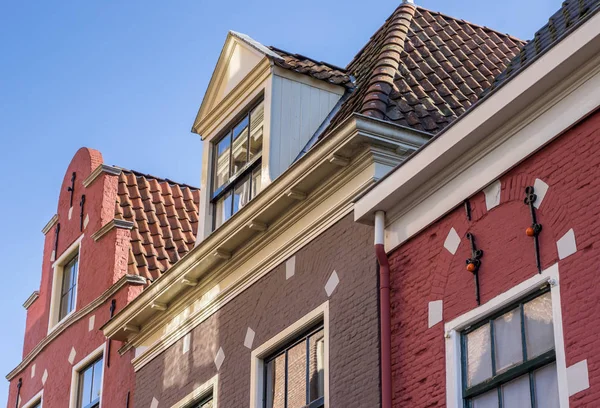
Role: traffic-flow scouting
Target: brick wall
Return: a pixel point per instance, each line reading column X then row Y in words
column 422, row 270
column 271, row 305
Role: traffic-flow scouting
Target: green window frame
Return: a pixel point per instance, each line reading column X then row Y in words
column 503, row 369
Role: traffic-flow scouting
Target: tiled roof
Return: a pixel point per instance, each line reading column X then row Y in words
column 423, row 69
column 165, row 221
column 571, row 15
column 316, row 69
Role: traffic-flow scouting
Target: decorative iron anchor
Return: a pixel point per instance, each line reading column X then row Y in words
column 71, row 189
column 81, row 204
column 474, row 263
column 535, row 228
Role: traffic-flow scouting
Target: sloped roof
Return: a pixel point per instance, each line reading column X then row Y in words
column 423, row 69
column 165, row 221
column 566, row 19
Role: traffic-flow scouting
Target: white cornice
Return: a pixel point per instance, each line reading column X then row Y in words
column 32, row 298
column 103, row 168
column 115, row 223
column 50, row 224
column 76, row 316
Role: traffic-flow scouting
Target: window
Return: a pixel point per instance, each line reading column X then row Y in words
column 294, row 376
column 509, row 358
column 237, row 165
column 204, row 403
column 90, row 385
column 68, row 287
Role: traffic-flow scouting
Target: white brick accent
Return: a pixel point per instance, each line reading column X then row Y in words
column 332, row 283
column 219, row 358
column 290, row 267
column 86, row 221
column 578, row 377
column 566, row 245
column 186, row 342
column 435, row 312
column 452, row 241
column 154, row 403
column 492, row 194
column 540, row 189
column 33, row 371
column 70, row 213
column 72, row 355
column 249, row 338
column 44, row 377
column 91, row 322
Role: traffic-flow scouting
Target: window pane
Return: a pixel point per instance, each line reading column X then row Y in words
column 509, row 346
column 546, row 387
column 538, row 325
column 275, row 383
column 241, row 194
column 85, row 387
column 74, row 265
column 256, row 129
column 517, row 393
column 223, row 209
column 316, row 366
column 66, row 279
column 256, row 181
column 487, row 400
column 65, row 301
column 240, row 146
column 97, row 382
column 297, row 376
column 222, row 162
column 479, row 359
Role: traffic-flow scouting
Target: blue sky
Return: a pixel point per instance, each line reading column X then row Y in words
column 127, row 79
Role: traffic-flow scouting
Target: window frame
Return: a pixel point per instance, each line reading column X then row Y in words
column 80, row 367
column 72, row 291
column 74, row 250
column 319, row 315
column 527, row 367
column 81, row 374
column 200, row 394
column 246, row 171
column 453, row 329
column 36, row 401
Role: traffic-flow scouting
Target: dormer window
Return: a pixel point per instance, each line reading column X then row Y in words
column 237, row 165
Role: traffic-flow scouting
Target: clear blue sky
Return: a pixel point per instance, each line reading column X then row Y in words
column 127, row 78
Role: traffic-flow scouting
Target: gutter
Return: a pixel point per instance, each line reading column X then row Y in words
column 384, row 311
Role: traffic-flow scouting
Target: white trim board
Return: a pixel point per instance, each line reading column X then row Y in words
column 321, row 313
column 454, row 398
column 210, row 387
column 36, row 399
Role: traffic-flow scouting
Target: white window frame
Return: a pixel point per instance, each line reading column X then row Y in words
column 453, row 329
column 201, row 392
column 36, row 399
column 320, row 314
column 76, row 371
column 57, row 267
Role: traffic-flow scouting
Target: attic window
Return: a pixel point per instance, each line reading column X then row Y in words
column 237, row 165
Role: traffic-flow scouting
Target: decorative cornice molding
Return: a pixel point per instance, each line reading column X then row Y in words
column 32, row 298
column 115, row 223
column 103, row 168
column 76, row 316
column 50, row 224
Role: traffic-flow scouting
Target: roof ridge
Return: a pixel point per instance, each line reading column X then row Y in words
column 439, row 13
column 159, row 179
column 381, row 82
column 294, row 54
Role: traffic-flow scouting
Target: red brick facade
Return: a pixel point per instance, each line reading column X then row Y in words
column 101, row 265
column 422, row 270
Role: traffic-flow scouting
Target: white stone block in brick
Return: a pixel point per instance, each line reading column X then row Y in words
column 540, row 189
column 452, row 241
column 187, row 339
column 154, row 403
column 91, row 322
column 53, row 256
column 332, row 283
column 578, row 377
column 566, row 245
column 72, row 355
column 249, row 338
column 290, row 267
column 44, row 377
column 435, row 312
column 219, row 358
column 70, row 213
column 33, row 371
column 86, row 221
column 492, row 194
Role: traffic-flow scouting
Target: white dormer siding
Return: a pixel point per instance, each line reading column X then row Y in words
column 299, row 105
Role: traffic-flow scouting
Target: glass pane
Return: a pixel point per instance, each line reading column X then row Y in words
column 256, row 181
column 97, row 382
column 487, row 400
column 74, row 266
column 546, row 387
column 517, row 393
column 241, row 195
column 240, row 146
column 275, row 383
column 256, row 129
column 539, row 329
column 223, row 209
column 65, row 301
column 479, row 358
column 85, row 387
column 222, row 162
column 297, row 376
column 66, row 279
column 72, row 300
column 509, row 346
column 316, row 365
